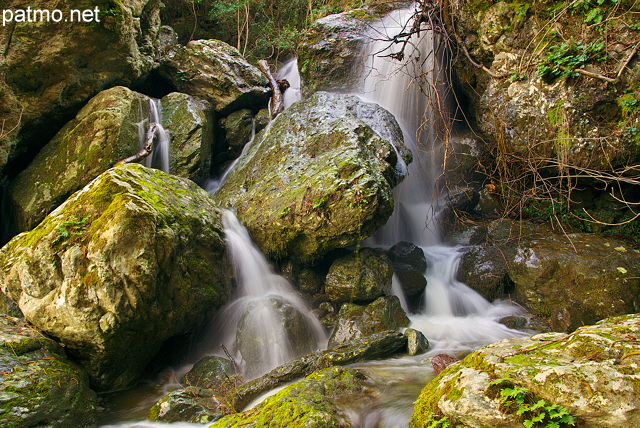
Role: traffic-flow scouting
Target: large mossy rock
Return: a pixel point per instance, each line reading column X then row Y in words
column 361, row 321
column 39, row 386
column 191, row 404
column 565, row 117
column 330, row 54
column 133, row 259
column 316, row 401
column 49, row 70
column 216, row 72
column 101, row 134
column 190, row 126
column 318, row 178
column 568, row 280
column 359, row 277
column 592, row 373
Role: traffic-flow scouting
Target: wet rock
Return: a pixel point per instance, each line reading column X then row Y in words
column 318, row 178
column 330, row 54
column 291, row 325
column 592, row 373
column 571, row 280
column 465, row 156
column 133, row 259
column 39, row 385
column 49, row 72
column 373, row 347
column 409, row 265
column 442, row 361
column 484, row 269
column 190, row 127
column 361, row 276
column 317, row 401
column 102, row 133
column 209, row 372
column 191, row 404
column 216, row 72
column 417, row 343
column 238, row 129
column 458, row 201
column 356, row 321
column 310, row 281
column 489, row 203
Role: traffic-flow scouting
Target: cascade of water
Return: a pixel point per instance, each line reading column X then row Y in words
column 289, row 72
column 421, row 79
column 279, row 323
column 159, row 158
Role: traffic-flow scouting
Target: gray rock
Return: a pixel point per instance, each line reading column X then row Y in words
column 356, row 321
column 318, row 178
column 359, row 277
column 409, row 265
column 216, row 72
column 191, row 404
column 417, row 343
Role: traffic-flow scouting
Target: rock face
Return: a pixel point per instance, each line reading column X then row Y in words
column 409, row 264
column 591, row 373
column 318, row 178
column 216, row 72
column 101, row 134
column 330, row 54
column 357, row 321
column 362, row 276
column 312, row 402
column 50, row 69
column 190, row 404
column 537, row 105
column 190, row 126
column 484, row 269
column 577, row 282
column 40, row 387
column 133, row 259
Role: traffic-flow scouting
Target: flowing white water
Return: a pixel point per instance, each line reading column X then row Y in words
column 289, row 71
column 159, row 158
column 260, row 294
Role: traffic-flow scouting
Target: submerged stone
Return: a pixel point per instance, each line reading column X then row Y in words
column 133, row 259
column 318, row 178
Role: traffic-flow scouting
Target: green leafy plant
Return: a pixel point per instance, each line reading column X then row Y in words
column 561, row 61
column 535, row 412
column 69, row 229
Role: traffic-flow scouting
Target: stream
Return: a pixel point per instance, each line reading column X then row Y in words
column 455, row 319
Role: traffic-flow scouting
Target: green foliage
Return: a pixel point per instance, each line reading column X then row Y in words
column 561, row 61
column 628, row 104
column 594, row 11
column 534, row 411
column 69, row 229
column 435, row 421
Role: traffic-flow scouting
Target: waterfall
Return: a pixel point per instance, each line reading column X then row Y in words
column 279, row 324
column 289, row 72
column 159, row 158
column 414, row 89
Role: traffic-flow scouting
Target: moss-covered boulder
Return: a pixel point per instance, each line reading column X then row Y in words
column 134, row 258
column 209, row 372
column 49, row 70
column 571, row 280
column 38, row 385
column 360, row 321
column 359, row 277
column 101, row 134
column 547, row 85
column 318, row 178
column 589, row 377
column 190, row 126
column 216, row 72
column 316, row 401
column 330, row 53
